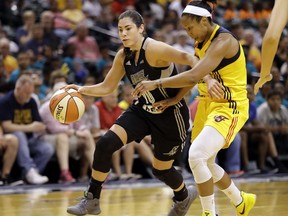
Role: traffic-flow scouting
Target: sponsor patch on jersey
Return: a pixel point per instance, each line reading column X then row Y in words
column 220, row 118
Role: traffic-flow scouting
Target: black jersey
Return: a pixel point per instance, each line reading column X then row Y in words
column 141, row 70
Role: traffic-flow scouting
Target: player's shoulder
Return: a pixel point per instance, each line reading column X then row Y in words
column 155, row 47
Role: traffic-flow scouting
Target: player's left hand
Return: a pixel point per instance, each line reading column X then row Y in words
column 144, row 86
column 215, row 89
column 164, row 104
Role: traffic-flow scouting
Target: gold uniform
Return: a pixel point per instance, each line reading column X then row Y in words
column 230, row 113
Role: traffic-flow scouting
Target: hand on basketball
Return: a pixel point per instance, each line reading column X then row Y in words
column 215, row 89
column 71, row 86
column 144, row 86
column 261, row 81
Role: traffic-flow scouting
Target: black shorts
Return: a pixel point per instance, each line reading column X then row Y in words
column 168, row 130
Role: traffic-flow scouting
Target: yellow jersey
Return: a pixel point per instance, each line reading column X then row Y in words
column 231, row 73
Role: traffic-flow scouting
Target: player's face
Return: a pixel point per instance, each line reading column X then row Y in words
column 128, row 32
column 196, row 30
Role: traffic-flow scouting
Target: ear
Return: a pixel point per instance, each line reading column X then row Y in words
column 141, row 29
column 204, row 21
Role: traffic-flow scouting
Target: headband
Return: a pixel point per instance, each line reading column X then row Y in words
column 199, row 11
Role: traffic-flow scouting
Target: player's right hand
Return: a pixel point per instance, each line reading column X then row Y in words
column 261, row 81
column 71, row 86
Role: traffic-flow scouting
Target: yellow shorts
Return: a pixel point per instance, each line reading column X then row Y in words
column 222, row 116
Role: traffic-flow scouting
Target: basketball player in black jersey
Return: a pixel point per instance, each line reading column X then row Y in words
column 142, row 59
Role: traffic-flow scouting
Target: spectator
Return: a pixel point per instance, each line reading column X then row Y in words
column 10, row 63
column 62, row 4
column 254, row 51
column 255, row 133
column 13, row 47
column 261, row 96
column 73, row 140
column 282, row 52
column 38, row 45
column 19, row 115
column 63, row 28
column 92, row 9
column 178, row 6
column 245, row 12
column 230, row 13
column 24, row 62
column 86, row 46
column 275, row 117
column 24, row 33
column 261, row 11
column 72, row 13
column 104, row 60
column 59, row 141
column 8, row 152
column 91, row 119
column 182, row 43
column 46, row 21
column 4, row 85
column 76, row 70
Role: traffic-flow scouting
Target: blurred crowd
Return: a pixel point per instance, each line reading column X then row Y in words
column 46, row 44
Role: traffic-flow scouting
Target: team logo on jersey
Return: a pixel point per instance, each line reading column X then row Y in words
column 220, row 118
column 138, row 77
column 151, row 109
column 173, row 151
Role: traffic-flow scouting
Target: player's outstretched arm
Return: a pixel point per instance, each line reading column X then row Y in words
column 110, row 82
column 278, row 20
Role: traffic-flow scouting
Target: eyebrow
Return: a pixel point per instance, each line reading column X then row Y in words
column 124, row 26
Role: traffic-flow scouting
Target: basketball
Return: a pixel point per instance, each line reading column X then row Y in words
column 67, row 106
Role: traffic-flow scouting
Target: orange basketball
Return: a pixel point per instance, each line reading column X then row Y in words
column 67, row 106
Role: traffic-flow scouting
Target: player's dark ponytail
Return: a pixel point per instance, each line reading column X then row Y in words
column 212, row 4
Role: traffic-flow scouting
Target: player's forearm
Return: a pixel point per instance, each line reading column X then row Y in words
column 98, row 90
column 269, row 48
column 182, row 80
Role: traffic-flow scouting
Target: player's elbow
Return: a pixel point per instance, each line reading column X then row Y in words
column 189, row 59
column 272, row 37
column 191, row 79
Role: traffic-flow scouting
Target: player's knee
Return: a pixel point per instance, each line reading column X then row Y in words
column 197, row 157
column 105, row 147
column 171, row 177
column 216, row 171
column 108, row 144
column 160, row 174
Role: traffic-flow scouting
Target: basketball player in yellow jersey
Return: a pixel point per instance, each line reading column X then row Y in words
column 278, row 20
column 217, row 121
